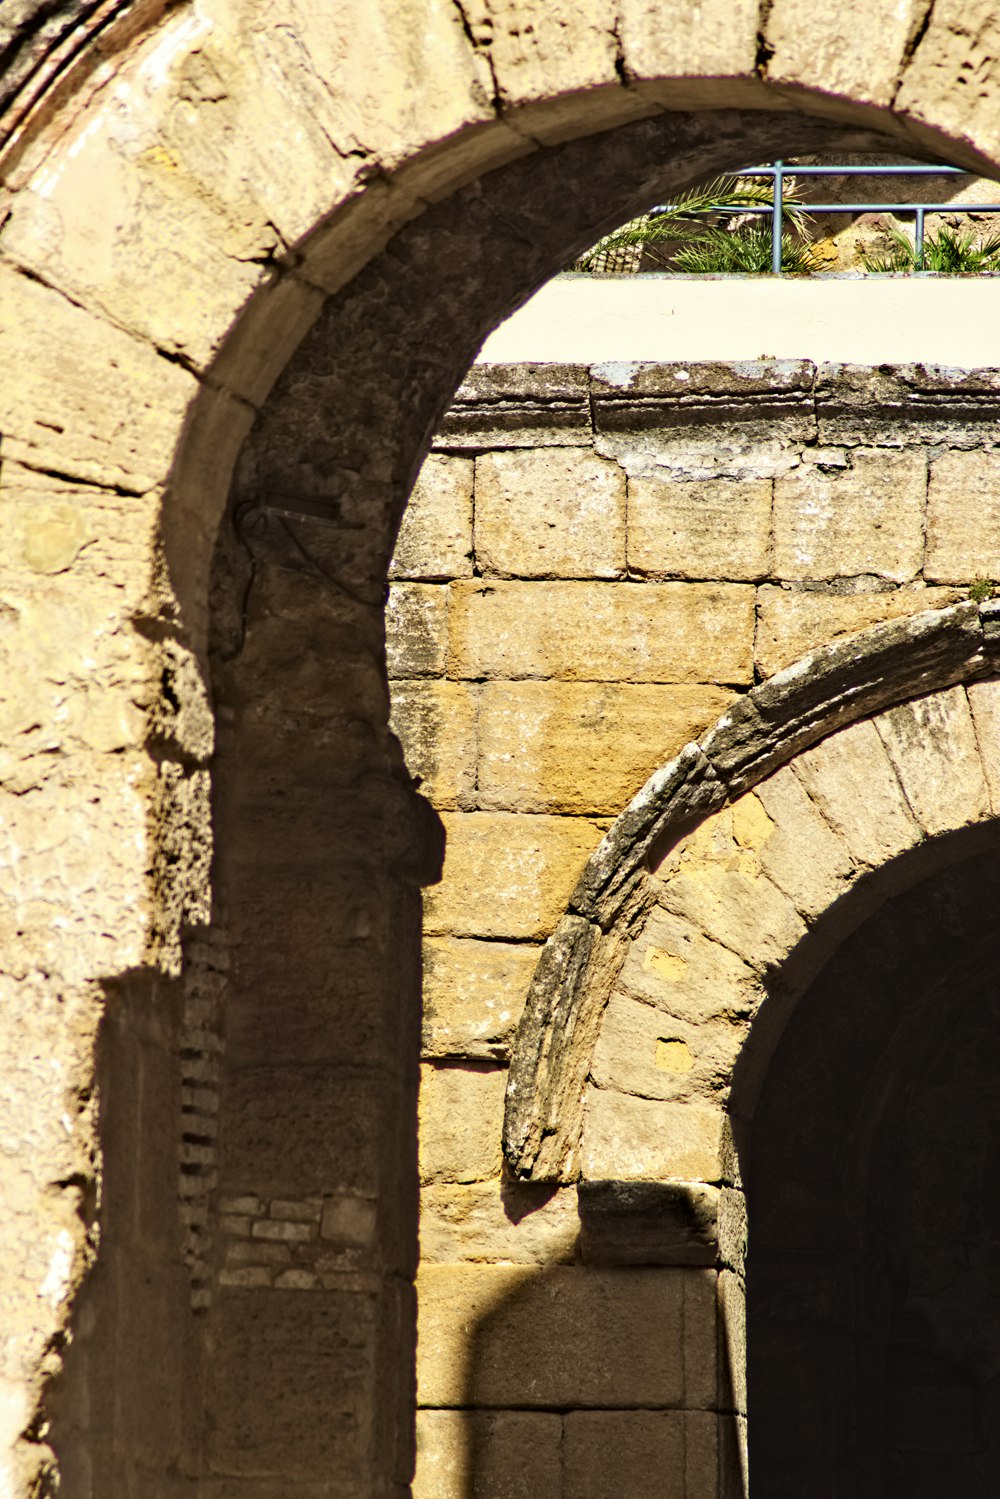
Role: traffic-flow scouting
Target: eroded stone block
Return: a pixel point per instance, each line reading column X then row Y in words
column 546, row 513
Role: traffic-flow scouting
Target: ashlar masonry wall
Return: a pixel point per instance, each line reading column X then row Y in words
column 594, row 564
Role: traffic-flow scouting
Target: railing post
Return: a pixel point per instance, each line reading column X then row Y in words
column 777, row 218
column 918, row 237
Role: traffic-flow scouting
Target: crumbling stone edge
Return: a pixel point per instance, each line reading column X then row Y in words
column 826, row 690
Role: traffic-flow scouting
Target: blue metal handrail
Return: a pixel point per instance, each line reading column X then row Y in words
column 778, row 171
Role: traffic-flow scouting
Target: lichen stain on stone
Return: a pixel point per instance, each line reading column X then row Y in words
column 673, row 1056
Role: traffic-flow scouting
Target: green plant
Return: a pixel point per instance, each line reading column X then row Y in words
column 949, row 252
column 681, row 231
column 981, row 589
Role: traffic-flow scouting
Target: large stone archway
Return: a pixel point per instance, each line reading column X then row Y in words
column 185, row 198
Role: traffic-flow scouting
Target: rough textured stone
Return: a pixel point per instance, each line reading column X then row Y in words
column 461, row 1117
column 851, row 780
column 867, row 518
column 513, row 406
column 436, row 725
column 963, row 517
column 546, row 514
column 415, row 618
column 984, row 700
column 508, row 1336
column 803, row 855
column 529, row 863
column 723, row 42
column 581, row 747
column 716, row 529
column 675, row 967
column 485, row 1455
column 646, row 1454
column 498, row 1222
column 791, row 623
column 714, row 879
column 643, row 1139
column 855, row 52
column 435, row 537
column 590, row 632
column 932, row 745
column 473, row 995
column 642, row 1051
column 649, row 1223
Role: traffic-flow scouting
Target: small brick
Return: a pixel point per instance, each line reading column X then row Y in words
column 296, row 1280
column 252, row 1251
column 306, row 1210
column 349, row 1221
column 248, row 1204
column 249, row 1275
column 291, row 1232
column 239, row 1227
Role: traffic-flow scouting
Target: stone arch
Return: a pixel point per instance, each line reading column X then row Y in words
column 166, row 249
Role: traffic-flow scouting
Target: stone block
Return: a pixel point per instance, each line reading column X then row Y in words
column 507, row 875
column 642, row 1051
column 415, row 626
column 644, row 1454
column 855, row 51
column 583, row 748
column 519, row 406
column 803, row 855
column 644, row 1139
column 863, row 520
column 435, row 535
column 649, row 1223
column 790, row 623
column 932, row 745
column 549, row 513
column 963, row 518
column 714, row 879
column 701, row 43
column 435, row 722
column 503, row 1222
column 956, row 45
column 461, row 1120
column 487, row 1455
column 672, row 964
column 602, row 632
column 715, row 529
column 569, row 1336
column 850, row 779
column 984, row 700
column 294, row 1384
column 473, row 995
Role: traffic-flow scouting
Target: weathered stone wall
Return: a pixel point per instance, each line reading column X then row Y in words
column 199, row 195
column 594, row 565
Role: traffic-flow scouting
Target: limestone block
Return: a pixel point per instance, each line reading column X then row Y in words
column 963, row 517
column 855, row 51
column 672, row 964
column 581, row 747
column 473, row 995
column 435, row 722
column 715, row 529
column 643, row 1139
column 984, row 700
column 714, row 879
column 933, row 747
column 461, row 1117
column 697, row 59
column 415, row 640
column 803, row 855
column 503, row 1454
column 958, row 45
column 644, row 1454
column 865, row 519
column 105, row 409
column 499, row 1335
column 851, row 780
column 790, row 623
column 507, row 875
column 602, row 632
column 435, row 537
column 549, row 513
column 500, row 1222
column 651, row 1055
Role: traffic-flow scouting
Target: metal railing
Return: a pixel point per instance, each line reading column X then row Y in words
column 778, row 171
